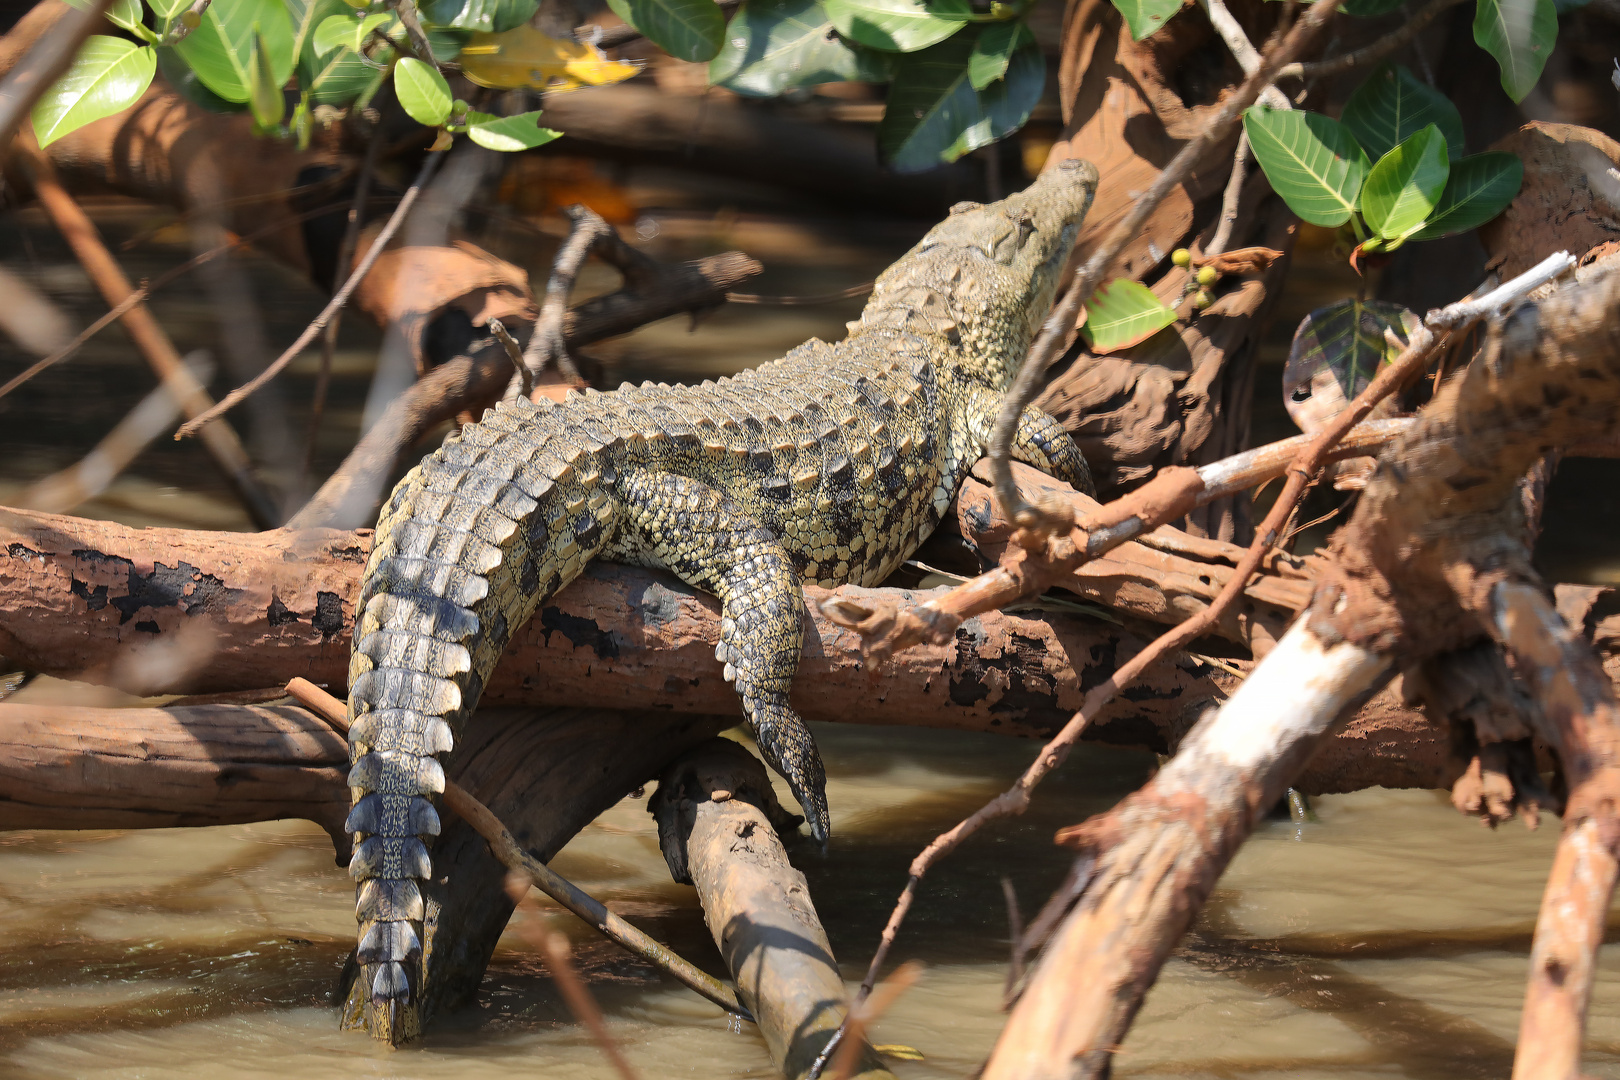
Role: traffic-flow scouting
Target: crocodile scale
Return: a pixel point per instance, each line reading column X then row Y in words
column 828, row 466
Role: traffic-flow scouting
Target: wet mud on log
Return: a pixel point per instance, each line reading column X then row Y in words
column 717, row 824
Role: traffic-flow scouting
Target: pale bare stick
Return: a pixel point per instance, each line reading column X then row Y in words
column 341, row 297
column 1055, row 330
column 547, row 880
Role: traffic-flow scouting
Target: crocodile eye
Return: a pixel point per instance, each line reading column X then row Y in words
column 1006, row 247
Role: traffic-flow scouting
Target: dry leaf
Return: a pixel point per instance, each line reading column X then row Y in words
column 525, row 57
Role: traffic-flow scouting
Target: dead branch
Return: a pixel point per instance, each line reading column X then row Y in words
column 1386, row 45
column 1583, row 722
column 547, row 344
column 1098, row 531
column 1439, row 527
column 351, row 495
column 167, row 610
column 461, row 802
column 339, row 298
column 718, row 819
column 81, row 234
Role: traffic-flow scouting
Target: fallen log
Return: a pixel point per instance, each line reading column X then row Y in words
column 165, row 611
column 717, row 824
column 66, row 767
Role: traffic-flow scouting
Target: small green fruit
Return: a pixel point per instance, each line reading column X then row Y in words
column 1202, row 299
column 1181, row 257
column 190, row 19
column 1207, row 276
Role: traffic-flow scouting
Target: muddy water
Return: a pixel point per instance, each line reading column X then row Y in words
column 1387, row 939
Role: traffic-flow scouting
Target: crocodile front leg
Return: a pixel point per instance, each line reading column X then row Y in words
column 708, row 542
column 1040, row 441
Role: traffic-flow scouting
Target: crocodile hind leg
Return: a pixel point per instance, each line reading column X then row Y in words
column 703, row 538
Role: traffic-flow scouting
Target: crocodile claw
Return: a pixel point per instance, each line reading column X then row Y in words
column 788, row 747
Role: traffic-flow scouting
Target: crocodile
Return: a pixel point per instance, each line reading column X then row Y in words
column 828, row 466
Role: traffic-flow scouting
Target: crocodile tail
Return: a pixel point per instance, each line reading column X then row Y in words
column 466, row 548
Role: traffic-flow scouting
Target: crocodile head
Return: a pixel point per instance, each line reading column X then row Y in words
column 985, row 276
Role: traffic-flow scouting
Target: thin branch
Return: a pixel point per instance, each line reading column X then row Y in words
column 351, row 239
column 460, row 801
column 546, row 344
column 1372, row 53
column 894, row 987
column 341, row 297
column 1248, row 59
column 89, row 476
column 581, row 1003
column 149, row 338
column 44, row 63
column 142, row 294
column 1055, row 331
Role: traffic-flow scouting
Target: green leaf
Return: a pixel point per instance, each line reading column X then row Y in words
column 899, row 25
column 1368, row 8
column 265, row 102
column 306, row 15
column 1143, row 17
column 334, row 32
column 508, row 133
column 1393, row 104
column 167, row 9
column 422, row 91
column 775, row 45
column 1313, row 162
column 1480, row 187
column 686, row 29
column 1520, row 34
column 107, row 76
column 1336, row 352
column 220, row 50
column 994, row 48
column 338, row 78
column 127, row 14
column 1403, row 187
column 934, row 115
column 1124, row 313
column 178, row 74
column 480, row 16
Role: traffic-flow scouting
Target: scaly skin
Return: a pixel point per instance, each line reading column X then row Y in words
column 830, row 465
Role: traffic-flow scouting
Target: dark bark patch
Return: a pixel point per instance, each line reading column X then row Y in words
column 279, row 614
column 328, row 614
column 581, row 632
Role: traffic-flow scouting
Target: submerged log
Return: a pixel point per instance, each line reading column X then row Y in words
column 717, row 824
